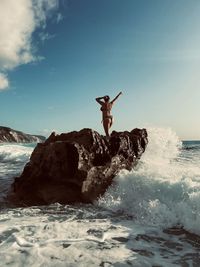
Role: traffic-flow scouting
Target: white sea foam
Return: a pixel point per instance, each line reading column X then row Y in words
column 15, row 152
column 12, row 160
column 164, row 190
column 64, row 236
column 83, row 236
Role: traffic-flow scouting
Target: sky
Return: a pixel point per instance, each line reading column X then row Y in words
column 56, row 57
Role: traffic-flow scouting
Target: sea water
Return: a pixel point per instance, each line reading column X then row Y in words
column 148, row 217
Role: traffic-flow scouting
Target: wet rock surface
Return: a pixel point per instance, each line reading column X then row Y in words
column 77, row 166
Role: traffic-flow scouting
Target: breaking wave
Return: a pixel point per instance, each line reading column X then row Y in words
column 15, row 152
column 164, row 189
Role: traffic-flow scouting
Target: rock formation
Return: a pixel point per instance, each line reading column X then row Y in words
column 12, row 136
column 76, row 166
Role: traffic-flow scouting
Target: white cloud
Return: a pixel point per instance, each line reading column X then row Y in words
column 44, row 36
column 59, row 17
column 3, row 81
column 18, row 20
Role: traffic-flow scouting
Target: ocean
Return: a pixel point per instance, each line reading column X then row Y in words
column 148, row 217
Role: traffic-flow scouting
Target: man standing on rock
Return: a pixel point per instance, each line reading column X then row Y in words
column 106, row 107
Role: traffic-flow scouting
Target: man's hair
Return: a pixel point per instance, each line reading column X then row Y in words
column 106, row 98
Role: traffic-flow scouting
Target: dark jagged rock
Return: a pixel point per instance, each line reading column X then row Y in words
column 76, row 166
column 12, row 136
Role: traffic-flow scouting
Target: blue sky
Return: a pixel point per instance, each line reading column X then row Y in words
column 78, row 50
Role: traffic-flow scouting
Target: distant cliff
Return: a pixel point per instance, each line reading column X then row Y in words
column 9, row 135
